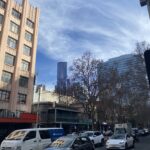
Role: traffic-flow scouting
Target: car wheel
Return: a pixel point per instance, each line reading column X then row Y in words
column 126, row 146
column 93, row 142
column 133, row 145
column 102, row 142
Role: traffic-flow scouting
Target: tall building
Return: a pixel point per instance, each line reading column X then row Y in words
column 122, row 63
column 61, row 77
column 18, row 44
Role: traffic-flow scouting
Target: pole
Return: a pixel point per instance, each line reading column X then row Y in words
column 148, row 7
column 37, row 115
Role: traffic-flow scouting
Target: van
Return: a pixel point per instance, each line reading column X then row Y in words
column 31, row 139
column 55, row 133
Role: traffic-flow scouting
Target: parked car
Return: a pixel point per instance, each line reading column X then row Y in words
column 71, row 142
column 35, row 138
column 146, row 130
column 120, row 141
column 141, row 132
column 95, row 136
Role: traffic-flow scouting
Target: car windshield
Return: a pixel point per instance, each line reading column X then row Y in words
column 120, row 131
column 16, row 135
column 62, row 142
column 119, row 136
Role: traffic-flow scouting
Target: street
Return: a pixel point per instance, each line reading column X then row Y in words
column 144, row 144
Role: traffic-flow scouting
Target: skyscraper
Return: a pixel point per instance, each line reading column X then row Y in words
column 18, row 44
column 61, row 77
column 122, row 63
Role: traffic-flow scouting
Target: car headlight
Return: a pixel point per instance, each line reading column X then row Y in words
column 18, row 148
column 122, row 142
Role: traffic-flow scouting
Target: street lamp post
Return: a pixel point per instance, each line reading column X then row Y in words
column 38, row 89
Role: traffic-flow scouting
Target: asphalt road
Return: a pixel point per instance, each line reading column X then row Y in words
column 144, row 144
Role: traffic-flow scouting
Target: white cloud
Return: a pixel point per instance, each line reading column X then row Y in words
column 69, row 27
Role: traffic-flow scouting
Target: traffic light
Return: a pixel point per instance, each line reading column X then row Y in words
column 147, row 62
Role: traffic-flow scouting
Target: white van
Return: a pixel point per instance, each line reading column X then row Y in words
column 27, row 139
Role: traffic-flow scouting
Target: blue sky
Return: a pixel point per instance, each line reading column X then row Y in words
column 108, row 28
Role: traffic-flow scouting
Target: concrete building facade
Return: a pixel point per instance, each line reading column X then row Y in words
column 53, row 97
column 18, row 44
column 52, row 114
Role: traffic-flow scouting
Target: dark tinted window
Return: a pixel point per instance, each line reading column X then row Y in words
column 23, row 82
column 12, row 43
column 97, row 133
column 28, row 36
column 78, row 141
column 44, row 134
column 2, row 4
column 9, row 59
column 30, row 135
column 26, row 50
column 6, row 77
column 30, row 23
column 16, row 14
column 1, row 19
column 22, row 98
column 4, row 95
column 84, row 140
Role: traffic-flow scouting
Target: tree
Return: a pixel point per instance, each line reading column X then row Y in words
column 136, row 85
column 110, row 94
column 85, row 82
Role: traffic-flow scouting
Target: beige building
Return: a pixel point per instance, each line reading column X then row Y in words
column 18, row 44
column 47, row 96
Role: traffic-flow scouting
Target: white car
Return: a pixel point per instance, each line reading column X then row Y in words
column 120, row 141
column 95, row 136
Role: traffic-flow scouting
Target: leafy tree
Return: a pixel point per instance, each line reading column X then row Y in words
column 85, row 82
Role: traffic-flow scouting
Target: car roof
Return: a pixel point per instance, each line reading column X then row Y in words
column 90, row 131
column 34, row 129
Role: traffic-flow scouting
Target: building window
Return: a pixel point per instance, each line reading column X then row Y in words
column 23, row 82
column 30, row 23
column 16, row 14
column 4, row 95
column 2, row 4
column 12, row 43
column 28, row 36
column 1, row 19
column 14, row 27
column 25, row 65
column 6, row 77
column 22, row 98
column 26, row 50
column 9, row 59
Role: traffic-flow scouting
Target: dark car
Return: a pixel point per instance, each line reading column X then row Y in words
column 72, row 143
column 135, row 134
